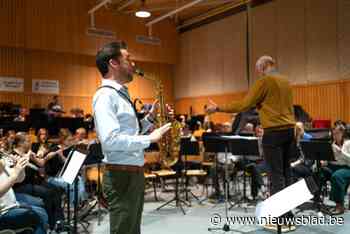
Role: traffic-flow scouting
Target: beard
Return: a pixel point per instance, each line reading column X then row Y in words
column 127, row 73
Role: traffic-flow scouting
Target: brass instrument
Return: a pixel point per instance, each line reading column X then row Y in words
column 169, row 145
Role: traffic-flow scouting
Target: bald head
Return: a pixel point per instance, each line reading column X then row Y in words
column 265, row 64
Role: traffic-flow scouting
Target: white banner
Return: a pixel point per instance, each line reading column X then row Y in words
column 11, row 84
column 45, row 86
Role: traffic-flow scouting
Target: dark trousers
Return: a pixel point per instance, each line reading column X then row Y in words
column 18, row 218
column 278, row 149
column 339, row 175
column 50, row 196
column 301, row 171
column 125, row 195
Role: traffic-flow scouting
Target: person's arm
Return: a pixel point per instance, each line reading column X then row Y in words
column 15, row 175
column 346, row 150
column 147, row 122
column 109, row 129
column 255, row 96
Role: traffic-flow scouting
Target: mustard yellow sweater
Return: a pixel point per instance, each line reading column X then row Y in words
column 273, row 97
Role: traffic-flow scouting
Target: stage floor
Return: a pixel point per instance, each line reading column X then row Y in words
column 170, row 220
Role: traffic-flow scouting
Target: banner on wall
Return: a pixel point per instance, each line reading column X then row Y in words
column 11, row 84
column 45, row 86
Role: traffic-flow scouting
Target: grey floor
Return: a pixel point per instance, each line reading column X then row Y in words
column 170, row 219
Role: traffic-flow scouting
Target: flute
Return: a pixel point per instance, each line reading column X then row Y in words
column 10, row 157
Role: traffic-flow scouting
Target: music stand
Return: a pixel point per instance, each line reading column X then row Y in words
column 243, row 146
column 216, row 143
column 69, row 174
column 95, row 156
column 213, row 144
column 318, row 150
column 188, row 147
column 178, row 201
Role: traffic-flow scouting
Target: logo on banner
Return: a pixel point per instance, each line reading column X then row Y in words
column 11, row 84
column 45, row 86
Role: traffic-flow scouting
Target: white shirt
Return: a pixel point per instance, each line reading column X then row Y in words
column 8, row 200
column 117, row 126
column 341, row 154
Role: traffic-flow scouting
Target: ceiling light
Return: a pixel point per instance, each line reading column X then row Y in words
column 142, row 12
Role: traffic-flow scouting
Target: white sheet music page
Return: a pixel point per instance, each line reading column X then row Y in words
column 240, row 137
column 77, row 160
column 284, row 201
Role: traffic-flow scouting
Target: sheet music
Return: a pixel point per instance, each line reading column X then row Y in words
column 240, row 137
column 76, row 161
column 284, row 201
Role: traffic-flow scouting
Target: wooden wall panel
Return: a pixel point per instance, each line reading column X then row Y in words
column 291, row 46
column 321, row 40
column 183, row 105
column 46, row 39
column 263, row 35
column 12, row 22
column 61, row 26
column 77, row 75
column 212, row 59
column 323, row 100
column 344, row 38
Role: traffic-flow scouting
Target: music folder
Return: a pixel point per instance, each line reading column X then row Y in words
column 283, row 201
column 72, row 165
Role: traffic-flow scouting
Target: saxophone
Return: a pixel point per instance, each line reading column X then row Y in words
column 169, row 145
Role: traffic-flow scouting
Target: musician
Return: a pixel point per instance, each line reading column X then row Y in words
column 272, row 95
column 21, row 115
column 14, row 215
column 301, row 167
column 118, row 130
column 58, row 155
column 54, row 108
column 339, row 170
column 10, row 137
column 81, row 136
column 34, row 184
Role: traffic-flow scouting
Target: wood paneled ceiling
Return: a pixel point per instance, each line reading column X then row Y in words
column 161, row 7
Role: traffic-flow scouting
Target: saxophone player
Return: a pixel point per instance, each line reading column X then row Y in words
column 120, row 134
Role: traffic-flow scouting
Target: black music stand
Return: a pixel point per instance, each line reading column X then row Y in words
column 243, row 146
column 188, row 147
column 94, row 157
column 178, row 201
column 215, row 143
column 69, row 173
column 318, row 150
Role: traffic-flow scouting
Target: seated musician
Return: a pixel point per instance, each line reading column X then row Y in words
column 12, row 211
column 55, row 109
column 81, row 136
column 339, row 170
column 10, row 137
column 59, row 155
column 240, row 163
column 34, row 184
column 301, row 167
column 21, row 115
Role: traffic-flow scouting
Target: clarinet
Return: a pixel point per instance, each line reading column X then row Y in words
column 9, row 157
